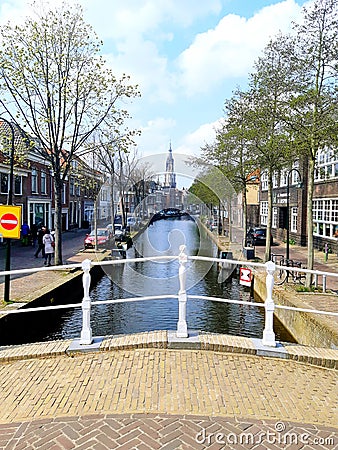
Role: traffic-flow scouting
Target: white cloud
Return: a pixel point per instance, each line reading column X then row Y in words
column 191, row 143
column 156, row 135
column 148, row 68
column 121, row 18
column 229, row 50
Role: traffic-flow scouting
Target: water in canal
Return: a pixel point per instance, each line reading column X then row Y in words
column 164, row 237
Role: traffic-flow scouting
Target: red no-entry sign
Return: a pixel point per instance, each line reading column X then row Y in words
column 245, row 276
column 10, row 221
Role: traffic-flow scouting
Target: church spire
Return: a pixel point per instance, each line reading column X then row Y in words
column 170, row 176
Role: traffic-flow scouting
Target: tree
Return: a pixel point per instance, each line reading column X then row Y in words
column 266, row 106
column 56, row 85
column 114, row 146
column 313, row 114
column 212, row 188
column 231, row 151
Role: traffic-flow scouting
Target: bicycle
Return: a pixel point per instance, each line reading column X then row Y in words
column 281, row 274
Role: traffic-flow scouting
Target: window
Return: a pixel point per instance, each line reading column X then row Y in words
column 34, row 181
column 64, row 194
column 18, row 185
column 326, row 165
column 294, row 216
column 4, row 183
column 264, row 181
column 295, row 174
column 284, row 178
column 274, row 217
column 325, row 217
column 264, row 213
column 275, row 180
column 43, row 183
column 71, row 186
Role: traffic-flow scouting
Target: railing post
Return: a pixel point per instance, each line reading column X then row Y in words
column 182, row 329
column 316, row 280
column 324, row 283
column 268, row 333
column 86, row 333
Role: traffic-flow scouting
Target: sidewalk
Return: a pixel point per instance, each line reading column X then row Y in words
column 297, row 253
column 23, row 258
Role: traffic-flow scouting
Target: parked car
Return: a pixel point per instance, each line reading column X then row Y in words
column 103, row 238
column 257, row 236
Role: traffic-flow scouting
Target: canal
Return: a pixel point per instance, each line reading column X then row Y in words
column 164, row 237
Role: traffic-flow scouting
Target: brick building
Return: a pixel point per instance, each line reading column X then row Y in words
column 33, row 184
column 325, row 202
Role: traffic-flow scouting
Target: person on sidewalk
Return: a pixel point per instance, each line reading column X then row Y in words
column 25, row 234
column 41, row 247
column 48, row 242
column 34, row 234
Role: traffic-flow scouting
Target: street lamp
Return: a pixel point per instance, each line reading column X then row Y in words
column 9, row 202
column 299, row 184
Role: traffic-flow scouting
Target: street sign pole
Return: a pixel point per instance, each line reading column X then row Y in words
column 9, row 202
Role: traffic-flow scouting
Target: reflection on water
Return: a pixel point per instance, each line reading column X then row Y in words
column 157, row 278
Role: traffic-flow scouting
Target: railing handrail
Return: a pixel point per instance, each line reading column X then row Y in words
column 164, row 297
column 67, row 267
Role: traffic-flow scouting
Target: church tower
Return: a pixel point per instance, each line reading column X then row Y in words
column 170, row 176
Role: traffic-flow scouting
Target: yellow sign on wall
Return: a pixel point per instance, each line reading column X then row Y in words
column 10, row 221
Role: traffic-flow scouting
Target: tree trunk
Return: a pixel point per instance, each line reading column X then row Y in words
column 245, row 216
column 95, row 222
column 229, row 218
column 58, row 186
column 310, row 255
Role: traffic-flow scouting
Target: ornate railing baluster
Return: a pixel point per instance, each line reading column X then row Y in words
column 182, row 328
column 268, row 333
column 86, row 333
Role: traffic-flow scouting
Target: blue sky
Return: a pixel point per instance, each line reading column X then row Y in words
column 187, row 56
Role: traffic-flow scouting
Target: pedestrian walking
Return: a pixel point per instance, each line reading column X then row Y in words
column 41, row 246
column 25, row 234
column 49, row 244
column 34, row 234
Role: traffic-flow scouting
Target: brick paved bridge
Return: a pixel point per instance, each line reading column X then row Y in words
column 134, row 392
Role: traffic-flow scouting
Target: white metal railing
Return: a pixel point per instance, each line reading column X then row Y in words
column 86, row 337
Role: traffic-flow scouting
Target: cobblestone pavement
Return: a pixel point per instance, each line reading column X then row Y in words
column 166, row 399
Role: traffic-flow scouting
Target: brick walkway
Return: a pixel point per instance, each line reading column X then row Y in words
column 149, row 398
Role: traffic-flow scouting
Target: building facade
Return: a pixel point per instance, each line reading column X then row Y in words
column 33, row 187
column 289, row 202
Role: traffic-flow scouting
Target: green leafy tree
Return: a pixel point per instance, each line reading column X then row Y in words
column 269, row 140
column 58, row 88
column 231, row 150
